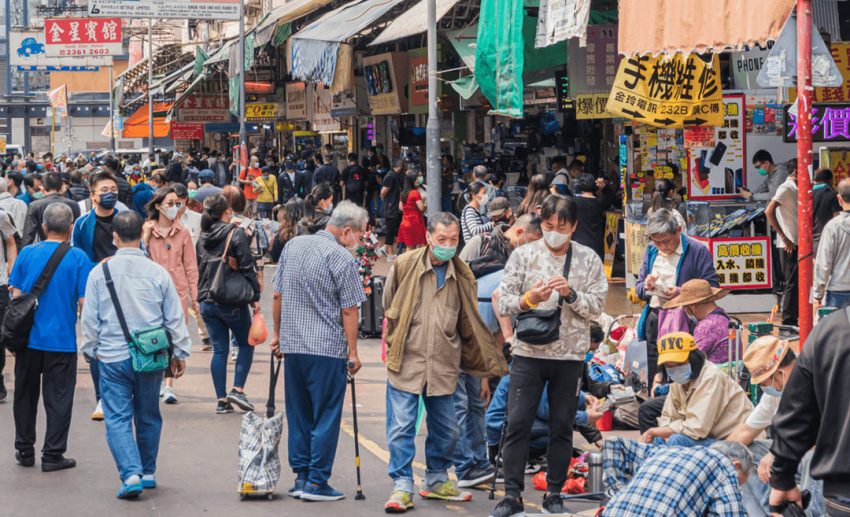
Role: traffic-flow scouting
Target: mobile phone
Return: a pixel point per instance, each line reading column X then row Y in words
column 717, row 154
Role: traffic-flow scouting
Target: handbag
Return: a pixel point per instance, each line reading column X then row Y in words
column 148, row 347
column 543, row 327
column 20, row 314
column 229, row 287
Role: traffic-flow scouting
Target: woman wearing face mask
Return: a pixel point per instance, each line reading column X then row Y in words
column 704, row 404
column 472, row 222
column 193, row 204
column 222, row 320
column 170, row 245
column 411, row 232
column 318, row 207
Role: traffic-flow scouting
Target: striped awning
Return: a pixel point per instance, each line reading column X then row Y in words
column 413, row 21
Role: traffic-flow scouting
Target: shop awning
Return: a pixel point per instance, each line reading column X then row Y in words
column 670, row 26
column 290, row 11
column 346, row 21
column 413, row 21
column 136, row 125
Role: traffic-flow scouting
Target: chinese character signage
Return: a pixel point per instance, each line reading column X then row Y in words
column 742, row 262
column 204, row 108
column 678, row 91
column 171, row 9
column 830, row 123
column 418, row 64
column 28, row 51
column 592, row 68
column 716, row 172
column 322, row 119
column 187, row 131
column 841, row 55
column 700, row 136
column 592, row 105
column 296, row 101
column 262, row 112
column 80, row 37
column 838, row 160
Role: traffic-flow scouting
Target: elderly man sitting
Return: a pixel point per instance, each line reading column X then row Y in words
column 704, row 404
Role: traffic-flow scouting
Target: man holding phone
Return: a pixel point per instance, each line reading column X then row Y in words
column 776, row 175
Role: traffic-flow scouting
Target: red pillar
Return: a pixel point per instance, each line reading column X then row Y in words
column 804, row 162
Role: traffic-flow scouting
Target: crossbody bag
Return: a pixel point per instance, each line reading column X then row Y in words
column 148, row 347
column 543, row 327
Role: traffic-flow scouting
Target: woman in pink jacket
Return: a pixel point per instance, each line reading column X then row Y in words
column 169, row 244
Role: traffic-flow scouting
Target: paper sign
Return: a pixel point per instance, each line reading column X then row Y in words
column 678, row 91
column 742, row 263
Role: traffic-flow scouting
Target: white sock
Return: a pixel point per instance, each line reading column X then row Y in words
column 148, row 477
column 132, row 480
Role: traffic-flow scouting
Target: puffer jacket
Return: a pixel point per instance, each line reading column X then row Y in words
column 210, row 248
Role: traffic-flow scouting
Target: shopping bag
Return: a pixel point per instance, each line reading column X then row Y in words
column 258, row 333
column 259, row 438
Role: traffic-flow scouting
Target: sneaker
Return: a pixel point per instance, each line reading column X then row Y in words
column 169, row 397
column 223, row 407
column 3, row 392
column 206, row 345
column 234, row 354
column 399, row 502
column 148, row 481
column 532, row 467
column 131, row 488
column 476, row 476
column 445, row 491
column 298, row 487
column 61, row 464
column 239, row 399
column 161, row 390
column 24, row 460
column 323, row 492
column 509, row 506
column 552, row 503
column 97, row 414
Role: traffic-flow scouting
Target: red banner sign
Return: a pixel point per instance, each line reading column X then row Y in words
column 187, row 131
column 70, row 37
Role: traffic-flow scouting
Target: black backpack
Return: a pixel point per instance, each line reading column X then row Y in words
column 494, row 256
column 20, row 314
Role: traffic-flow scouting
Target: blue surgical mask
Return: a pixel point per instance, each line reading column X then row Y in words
column 679, row 374
column 773, row 392
column 108, row 200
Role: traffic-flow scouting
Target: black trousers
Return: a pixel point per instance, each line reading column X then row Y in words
column 790, row 300
column 4, row 302
column 649, row 412
column 651, row 346
column 528, row 377
column 54, row 374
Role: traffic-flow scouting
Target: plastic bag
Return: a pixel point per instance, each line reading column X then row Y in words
column 258, row 333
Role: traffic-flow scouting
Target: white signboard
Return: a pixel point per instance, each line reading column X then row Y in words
column 173, row 9
column 27, row 52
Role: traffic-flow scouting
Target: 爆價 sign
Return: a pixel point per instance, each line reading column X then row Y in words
column 677, row 91
column 262, row 112
column 830, row 123
column 742, row 262
column 81, row 37
column 173, row 9
column 592, row 106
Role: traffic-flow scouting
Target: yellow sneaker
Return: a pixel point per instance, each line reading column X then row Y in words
column 445, row 491
column 399, row 502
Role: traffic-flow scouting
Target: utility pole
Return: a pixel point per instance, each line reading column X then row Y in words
column 432, row 129
column 243, row 131
column 150, row 86
column 804, row 165
column 112, row 111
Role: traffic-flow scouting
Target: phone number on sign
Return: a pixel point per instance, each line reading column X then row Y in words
column 84, row 52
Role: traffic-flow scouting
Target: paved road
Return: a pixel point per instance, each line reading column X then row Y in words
column 197, row 469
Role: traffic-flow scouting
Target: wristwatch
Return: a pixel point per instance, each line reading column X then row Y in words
column 572, row 297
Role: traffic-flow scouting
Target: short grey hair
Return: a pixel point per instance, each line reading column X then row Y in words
column 661, row 221
column 445, row 218
column 734, row 451
column 348, row 215
column 58, row 218
column 479, row 171
column 4, row 185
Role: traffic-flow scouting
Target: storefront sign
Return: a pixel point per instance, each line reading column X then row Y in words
column 323, row 121
column 747, row 65
column 172, row 9
column 592, row 106
column 830, row 123
column 592, row 68
column 187, row 131
column 80, row 37
column 841, row 55
column 418, row 79
column 717, row 172
column 636, row 243
column 27, row 51
column 743, row 262
column 385, row 74
column 296, row 101
column 262, row 112
column 204, row 108
column 838, row 160
column 221, row 127
column 2, row 144
column 678, row 91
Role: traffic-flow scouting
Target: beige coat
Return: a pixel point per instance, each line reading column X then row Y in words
column 712, row 405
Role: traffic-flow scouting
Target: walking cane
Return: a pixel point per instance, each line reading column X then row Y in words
column 359, row 496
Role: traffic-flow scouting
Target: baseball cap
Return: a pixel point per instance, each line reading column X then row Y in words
column 763, row 357
column 206, row 173
column 675, row 347
column 498, row 207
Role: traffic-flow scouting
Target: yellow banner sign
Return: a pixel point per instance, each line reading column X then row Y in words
column 262, row 112
column 2, row 144
column 592, row 106
column 677, row 91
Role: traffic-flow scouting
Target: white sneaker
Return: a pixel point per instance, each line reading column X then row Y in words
column 97, row 414
column 234, row 353
column 169, row 397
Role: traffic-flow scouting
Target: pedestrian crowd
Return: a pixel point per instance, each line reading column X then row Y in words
column 493, row 318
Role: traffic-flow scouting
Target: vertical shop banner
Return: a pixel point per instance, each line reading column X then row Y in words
column 322, row 119
column 742, row 263
column 417, row 60
column 592, row 106
column 717, row 172
column 636, row 243
column 2, row 144
column 592, row 68
column 677, row 91
column 296, row 101
column 82, row 37
column 612, row 222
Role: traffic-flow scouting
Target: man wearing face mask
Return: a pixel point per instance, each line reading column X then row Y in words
column 54, row 187
column 553, row 278
column 433, row 331
column 704, row 404
column 775, row 175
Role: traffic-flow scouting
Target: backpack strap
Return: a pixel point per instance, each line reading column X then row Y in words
column 110, row 284
column 50, row 268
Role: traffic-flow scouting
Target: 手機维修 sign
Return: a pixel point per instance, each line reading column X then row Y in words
column 82, row 37
column 677, row 91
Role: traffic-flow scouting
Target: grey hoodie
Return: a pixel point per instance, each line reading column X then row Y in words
column 832, row 268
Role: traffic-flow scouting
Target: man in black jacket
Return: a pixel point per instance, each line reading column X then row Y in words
column 52, row 183
column 593, row 199
column 813, row 413
column 291, row 183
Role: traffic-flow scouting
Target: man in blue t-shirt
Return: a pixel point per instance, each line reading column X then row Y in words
column 49, row 365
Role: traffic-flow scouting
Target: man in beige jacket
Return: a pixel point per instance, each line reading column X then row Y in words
column 704, row 404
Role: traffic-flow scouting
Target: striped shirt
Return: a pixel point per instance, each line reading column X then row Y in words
column 472, row 223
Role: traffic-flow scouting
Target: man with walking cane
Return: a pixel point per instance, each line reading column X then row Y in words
column 315, row 327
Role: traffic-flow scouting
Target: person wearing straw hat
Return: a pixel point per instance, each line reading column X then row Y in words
column 704, row 404
column 712, row 329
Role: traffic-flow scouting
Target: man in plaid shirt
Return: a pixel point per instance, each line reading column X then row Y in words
column 648, row 479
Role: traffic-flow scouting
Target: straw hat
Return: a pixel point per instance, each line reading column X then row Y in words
column 763, row 357
column 694, row 292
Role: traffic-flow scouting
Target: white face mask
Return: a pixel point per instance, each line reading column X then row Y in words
column 483, row 200
column 171, row 212
column 556, row 239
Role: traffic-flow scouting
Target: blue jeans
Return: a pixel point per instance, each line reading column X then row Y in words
column 221, row 320
column 402, row 408
column 315, row 392
column 683, row 440
column 131, row 399
column 755, row 494
column 471, row 449
column 837, row 299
